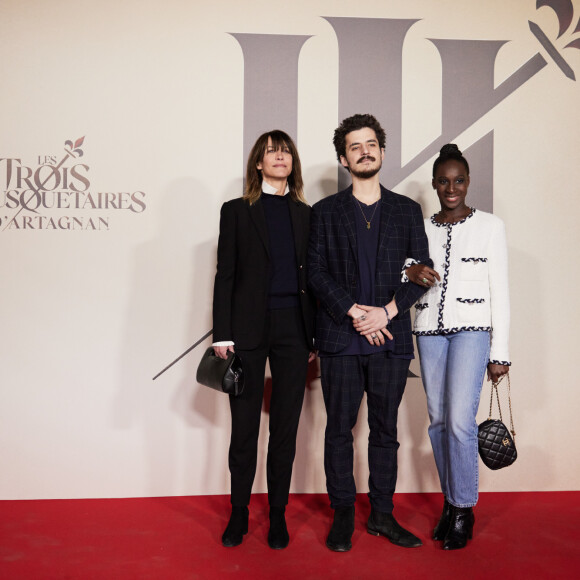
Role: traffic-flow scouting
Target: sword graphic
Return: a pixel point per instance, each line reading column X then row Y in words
column 552, row 50
column 564, row 10
column 184, row 353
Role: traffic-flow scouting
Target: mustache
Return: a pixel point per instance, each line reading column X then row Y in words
column 365, row 158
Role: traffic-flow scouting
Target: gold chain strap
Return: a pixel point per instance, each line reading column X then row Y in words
column 494, row 388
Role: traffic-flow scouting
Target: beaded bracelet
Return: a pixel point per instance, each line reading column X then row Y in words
column 387, row 313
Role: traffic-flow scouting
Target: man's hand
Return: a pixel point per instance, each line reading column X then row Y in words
column 355, row 311
column 373, row 322
column 374, row 318
column 379, row 337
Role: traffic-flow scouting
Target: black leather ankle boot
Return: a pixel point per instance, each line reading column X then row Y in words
column 237, row 527
column 441, row 528
column 460, row 529
column 278, row 537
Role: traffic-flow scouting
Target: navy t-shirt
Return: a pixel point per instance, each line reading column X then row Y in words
column 367, row 241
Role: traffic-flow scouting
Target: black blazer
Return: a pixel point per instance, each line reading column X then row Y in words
column 333, row 265
column 240, row 298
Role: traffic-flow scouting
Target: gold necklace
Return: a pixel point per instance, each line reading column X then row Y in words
column 368, row 222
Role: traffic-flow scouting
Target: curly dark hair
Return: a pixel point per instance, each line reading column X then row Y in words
column 447, row 152
column 354, row 123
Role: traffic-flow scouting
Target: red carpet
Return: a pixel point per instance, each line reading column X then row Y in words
column 517, row 535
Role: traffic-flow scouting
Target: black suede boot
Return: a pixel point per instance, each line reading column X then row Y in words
column 278, row 537
column 340, row 536
column 441, row 528
column 383, row 524
column 460, row 529
column 237, row 527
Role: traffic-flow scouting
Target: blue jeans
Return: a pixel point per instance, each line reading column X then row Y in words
column 453, row 367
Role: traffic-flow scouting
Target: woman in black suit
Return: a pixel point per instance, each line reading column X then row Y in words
column 263, row 309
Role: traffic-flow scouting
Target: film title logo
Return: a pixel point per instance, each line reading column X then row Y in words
column 55, row 194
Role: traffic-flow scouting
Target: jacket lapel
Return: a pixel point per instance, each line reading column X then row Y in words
column 297, row 227
column 259, row 219
column 345, row 208
column 387, row 207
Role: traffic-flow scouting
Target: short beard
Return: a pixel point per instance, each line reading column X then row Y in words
column 365, row 173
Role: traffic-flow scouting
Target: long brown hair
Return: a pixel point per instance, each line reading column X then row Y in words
column 280, row 140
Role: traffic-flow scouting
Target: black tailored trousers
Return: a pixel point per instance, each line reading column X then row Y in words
column 344, row 381
column 284, row 344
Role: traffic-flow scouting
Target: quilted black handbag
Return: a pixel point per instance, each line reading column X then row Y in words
column 497, row 447
column 225, row 375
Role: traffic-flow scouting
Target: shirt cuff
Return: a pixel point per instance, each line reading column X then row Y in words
column 408, row 262
column 501, row 362
column 223, row 343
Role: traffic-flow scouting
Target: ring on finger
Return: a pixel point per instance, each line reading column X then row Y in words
column 424, row 280
column 374, row 336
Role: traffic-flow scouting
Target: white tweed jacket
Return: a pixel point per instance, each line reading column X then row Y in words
column 473, row 294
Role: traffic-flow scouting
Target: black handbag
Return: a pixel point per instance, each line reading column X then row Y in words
column 497, row 447
column 225, row 375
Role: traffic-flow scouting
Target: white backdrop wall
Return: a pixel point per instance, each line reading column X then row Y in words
column 107, row 281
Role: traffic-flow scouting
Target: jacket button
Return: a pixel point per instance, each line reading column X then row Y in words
column 300, row 267
column 302, row 292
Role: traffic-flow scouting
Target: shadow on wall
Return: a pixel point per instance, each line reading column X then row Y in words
column 203, row 409
column 532, row 388
column 160, row 267
column 324, row 182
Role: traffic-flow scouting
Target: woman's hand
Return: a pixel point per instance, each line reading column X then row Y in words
column 495, row 371
column 422, row 275
column 312, row 356
column 222, row 351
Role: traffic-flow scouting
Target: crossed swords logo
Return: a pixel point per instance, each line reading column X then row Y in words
column 565, row 12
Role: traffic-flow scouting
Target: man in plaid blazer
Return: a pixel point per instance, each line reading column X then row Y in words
column 359, row 241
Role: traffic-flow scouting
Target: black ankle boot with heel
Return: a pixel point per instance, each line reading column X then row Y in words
column 460, row 529
column 441, row 528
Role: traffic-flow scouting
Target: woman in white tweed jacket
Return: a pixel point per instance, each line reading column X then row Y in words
column 462, row 327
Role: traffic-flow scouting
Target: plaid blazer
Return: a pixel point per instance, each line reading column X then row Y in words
column 333, row 265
